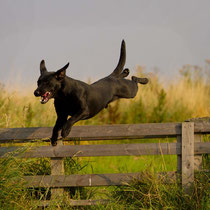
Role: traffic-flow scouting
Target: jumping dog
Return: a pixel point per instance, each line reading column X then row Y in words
column 82, row 101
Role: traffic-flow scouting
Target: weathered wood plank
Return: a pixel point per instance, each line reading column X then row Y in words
column 57, row 168
column 100, row 132
column 187, row 155
column 91, row 180
column 198, row 157
column 97, row 150
column 202, row 127
column 201, row 148
column 104, row 150
column 107, row 150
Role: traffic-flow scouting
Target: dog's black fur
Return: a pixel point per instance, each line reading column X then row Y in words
column 80, row 100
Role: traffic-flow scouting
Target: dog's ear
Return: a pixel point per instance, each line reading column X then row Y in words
column 60, row 74
column 42, row 67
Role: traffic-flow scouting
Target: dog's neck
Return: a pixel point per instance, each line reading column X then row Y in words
column 69, row 86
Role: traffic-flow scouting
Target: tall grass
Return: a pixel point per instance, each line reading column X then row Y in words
column 152, row 193
column 178, row 99
column 12, row 193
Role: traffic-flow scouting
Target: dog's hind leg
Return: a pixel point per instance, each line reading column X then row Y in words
column 70, row 122
column 124, row 73
column 82, row 114
column 142, row 81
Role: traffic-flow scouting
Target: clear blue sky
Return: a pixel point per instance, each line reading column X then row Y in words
column 164, row 34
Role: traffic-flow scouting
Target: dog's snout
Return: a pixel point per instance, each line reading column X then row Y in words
column 37, row 92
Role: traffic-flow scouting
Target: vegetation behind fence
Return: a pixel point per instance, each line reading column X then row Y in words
column 160, row 101
column 188, row 149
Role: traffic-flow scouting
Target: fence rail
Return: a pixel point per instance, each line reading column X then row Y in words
column 90, row 180
column 188, row 148
column 105, row 150
column 102, row 132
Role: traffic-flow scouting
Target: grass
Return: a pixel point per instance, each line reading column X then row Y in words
column 12, row 194
column 180, row 99
column 174, row 101
column 128, row 164
column 151, row 193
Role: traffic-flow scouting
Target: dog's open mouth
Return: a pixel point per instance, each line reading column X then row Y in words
column 45, row 98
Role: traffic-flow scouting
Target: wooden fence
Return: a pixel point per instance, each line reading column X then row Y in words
column 188, row 148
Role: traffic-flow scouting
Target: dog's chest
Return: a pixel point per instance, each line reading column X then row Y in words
column 67, row 106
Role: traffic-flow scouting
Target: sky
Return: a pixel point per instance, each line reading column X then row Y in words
column 159, row 34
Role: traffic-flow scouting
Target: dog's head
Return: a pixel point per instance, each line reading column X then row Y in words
column 49, row 83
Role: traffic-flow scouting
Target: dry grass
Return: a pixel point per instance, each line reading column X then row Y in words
column 180, row 99
column 185, row 97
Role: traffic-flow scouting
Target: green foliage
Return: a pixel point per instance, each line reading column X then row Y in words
column 29, row 114
column 152, row 193
column 184, row 98
column 136, row 113
column 159, row 113
column 12, row 193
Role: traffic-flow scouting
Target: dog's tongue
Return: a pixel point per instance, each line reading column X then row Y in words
column 46, row 94
column 45, row 98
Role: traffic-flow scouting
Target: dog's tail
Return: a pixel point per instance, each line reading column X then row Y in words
column 121, row 62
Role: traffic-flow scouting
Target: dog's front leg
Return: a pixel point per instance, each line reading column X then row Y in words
column 61, row 120
column 70, row 122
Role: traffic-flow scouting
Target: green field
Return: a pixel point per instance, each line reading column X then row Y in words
column 179, row 99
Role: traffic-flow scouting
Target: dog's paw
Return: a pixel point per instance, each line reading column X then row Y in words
column 53, row 142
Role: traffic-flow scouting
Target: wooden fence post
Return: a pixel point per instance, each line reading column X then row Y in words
column 198, row 138
column 57, row 168
column 187, row 155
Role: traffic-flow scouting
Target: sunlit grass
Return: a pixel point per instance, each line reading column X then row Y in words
column 179, row 99
column 128, row 164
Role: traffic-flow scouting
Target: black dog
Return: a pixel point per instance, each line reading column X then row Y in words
column 80, row 100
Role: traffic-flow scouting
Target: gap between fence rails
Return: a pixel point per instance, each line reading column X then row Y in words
column 189, row 150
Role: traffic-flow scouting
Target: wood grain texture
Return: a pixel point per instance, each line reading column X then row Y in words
column 57, row 168
column 187, row 155
column 100, row 132
column 91, row 180
column 185, row 149
column 103, row 150
column 198, row 157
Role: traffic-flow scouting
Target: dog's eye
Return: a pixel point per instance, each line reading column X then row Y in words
column 46, row 83
column 42, row 83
